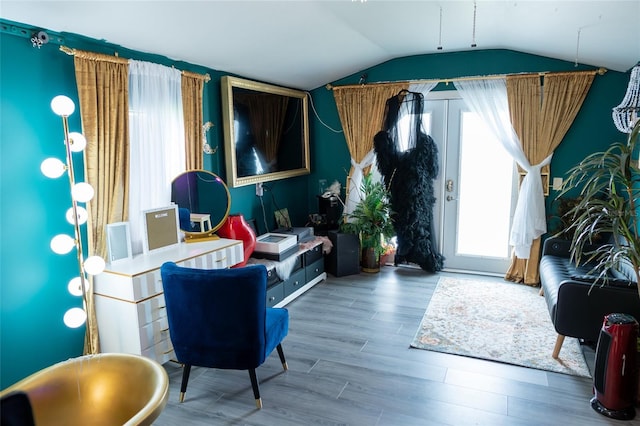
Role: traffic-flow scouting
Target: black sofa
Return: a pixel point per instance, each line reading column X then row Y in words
column 576, row 305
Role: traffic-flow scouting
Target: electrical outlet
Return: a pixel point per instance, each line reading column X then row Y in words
column 557, row 183
column 322, row 186
column 259, row 189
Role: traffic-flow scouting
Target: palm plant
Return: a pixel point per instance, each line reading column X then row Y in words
column 609, row 185
column 371, row 217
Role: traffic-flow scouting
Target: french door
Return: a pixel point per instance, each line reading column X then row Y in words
column 476, row 188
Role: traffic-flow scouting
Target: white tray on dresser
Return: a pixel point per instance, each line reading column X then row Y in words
column 129, row 298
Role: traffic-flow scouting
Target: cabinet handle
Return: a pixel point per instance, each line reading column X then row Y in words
column 296, row 283
column 164, row 329
column 221, row 260
column 272, row 298
column 317, row 270
column 168, row 352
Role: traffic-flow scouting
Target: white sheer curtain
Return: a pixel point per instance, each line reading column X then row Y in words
column 488, row 99
column 156, row 132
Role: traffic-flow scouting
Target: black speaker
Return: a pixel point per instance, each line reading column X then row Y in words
column 344, row 258
column 331, row 209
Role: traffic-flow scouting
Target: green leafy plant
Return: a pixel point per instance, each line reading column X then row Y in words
column 371, row 217
column 609, row 190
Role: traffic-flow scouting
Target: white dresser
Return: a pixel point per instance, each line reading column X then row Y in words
column 129, row 298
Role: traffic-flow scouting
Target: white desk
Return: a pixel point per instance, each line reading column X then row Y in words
column 129, row 297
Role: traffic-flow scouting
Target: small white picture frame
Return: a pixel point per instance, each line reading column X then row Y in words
column 118, row 241
column 161, row 228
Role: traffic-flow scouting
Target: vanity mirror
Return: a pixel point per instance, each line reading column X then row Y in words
column 203, row 201
column 266, row 131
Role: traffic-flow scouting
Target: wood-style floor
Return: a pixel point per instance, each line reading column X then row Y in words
column 350, row 364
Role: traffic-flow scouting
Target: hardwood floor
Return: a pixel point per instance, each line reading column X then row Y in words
column 350, row 364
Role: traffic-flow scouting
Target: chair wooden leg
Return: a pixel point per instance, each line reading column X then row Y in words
column 558, row 346
column 281, row 355
column 254, row 386
column 185, row 379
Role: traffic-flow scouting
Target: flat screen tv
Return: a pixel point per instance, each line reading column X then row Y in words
column 266, row 131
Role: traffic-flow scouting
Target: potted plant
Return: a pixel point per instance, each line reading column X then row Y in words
column 371, row 220
column 609, row 185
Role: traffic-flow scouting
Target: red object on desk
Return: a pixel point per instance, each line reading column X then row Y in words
column 236, row 228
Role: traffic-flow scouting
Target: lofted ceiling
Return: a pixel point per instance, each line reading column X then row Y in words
column 305, row 44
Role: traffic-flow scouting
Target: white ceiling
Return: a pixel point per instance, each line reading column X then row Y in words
column 306, row 44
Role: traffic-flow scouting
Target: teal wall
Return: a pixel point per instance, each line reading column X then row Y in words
column 33, row 280
column 593, row 128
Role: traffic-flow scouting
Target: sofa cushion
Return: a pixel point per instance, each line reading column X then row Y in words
column 577, row 306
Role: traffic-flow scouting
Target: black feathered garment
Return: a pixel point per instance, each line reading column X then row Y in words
column 409, row 163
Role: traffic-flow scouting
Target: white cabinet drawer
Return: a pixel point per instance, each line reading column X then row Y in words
column 151, row 310
column 154, row 332
column 219, row 259
column 132, row 289
column 147, row 285
column 162, row 351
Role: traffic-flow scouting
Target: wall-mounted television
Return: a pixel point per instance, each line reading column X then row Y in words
column 266, row 131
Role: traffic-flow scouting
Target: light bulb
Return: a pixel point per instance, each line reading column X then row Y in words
column 75, row 317
column 62, row 244
column 52, row 168
column 82, row 192
column 75, row 286
column 62, row 106
column 94, row 265
column 77, row 142
column 81, row 214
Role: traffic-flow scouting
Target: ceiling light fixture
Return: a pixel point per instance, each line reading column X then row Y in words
column 627, row 113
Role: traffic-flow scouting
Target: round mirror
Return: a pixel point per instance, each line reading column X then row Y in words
column 203, row 201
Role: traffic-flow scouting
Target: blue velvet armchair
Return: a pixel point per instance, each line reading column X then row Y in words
column 218, row 318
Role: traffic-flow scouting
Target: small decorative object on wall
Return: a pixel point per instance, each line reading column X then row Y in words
column 206, row 148
column 77, row 215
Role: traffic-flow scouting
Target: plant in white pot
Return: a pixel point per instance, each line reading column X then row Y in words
column 371, row 220
column 609, row 197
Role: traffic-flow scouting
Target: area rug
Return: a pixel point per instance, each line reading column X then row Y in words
column 497, row 321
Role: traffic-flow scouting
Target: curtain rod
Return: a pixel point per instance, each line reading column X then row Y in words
column 117, row 59
column 599, row 71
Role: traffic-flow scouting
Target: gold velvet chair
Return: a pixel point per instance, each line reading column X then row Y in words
column 103, row 389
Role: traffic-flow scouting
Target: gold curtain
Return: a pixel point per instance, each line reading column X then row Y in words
column 103, row 89
column 192, row 89
column 361, row 110
column 542, row 110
